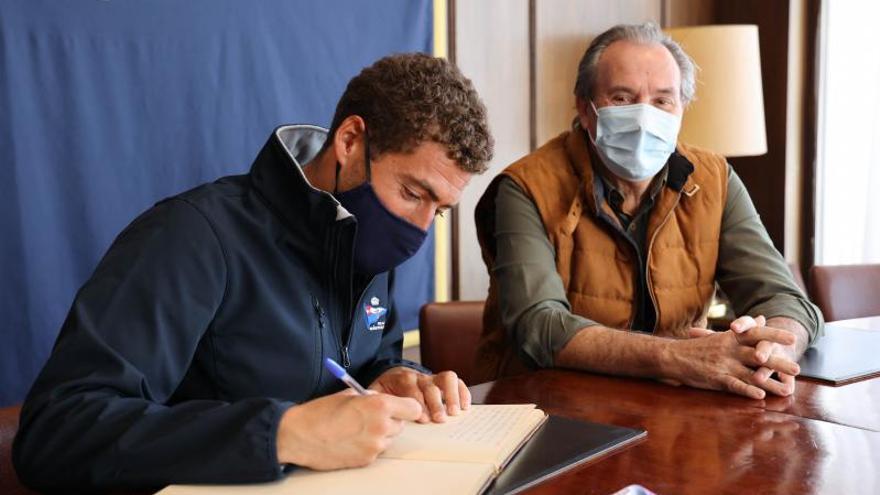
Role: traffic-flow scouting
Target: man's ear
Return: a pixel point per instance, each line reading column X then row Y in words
column 584, row 113
column 348, row 141
column 587, row 116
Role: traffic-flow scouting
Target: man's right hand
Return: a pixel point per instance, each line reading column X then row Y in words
column 343, row 429
column 727, row 360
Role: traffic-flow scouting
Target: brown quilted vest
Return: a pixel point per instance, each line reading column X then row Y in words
column 598, row 267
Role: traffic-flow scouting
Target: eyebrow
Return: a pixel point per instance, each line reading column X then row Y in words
column 613, row 89
column 426, row 187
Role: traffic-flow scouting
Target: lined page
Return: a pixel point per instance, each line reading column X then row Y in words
column 484, row 433
column 383, row 477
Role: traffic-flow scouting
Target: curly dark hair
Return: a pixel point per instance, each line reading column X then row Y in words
column 411, row 98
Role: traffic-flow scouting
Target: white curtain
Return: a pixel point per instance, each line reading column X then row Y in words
column 848, row 213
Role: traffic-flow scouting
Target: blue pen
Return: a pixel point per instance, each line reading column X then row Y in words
column 339, row 372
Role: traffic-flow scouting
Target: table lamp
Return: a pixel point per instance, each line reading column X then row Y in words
column 727, row 116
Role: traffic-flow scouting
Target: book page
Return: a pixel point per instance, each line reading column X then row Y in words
column 459, row 456
column 484, row 433
column 383, row 477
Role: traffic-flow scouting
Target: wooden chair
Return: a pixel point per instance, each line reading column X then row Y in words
column 846, row 291
column 9, row 483
column 448, row 335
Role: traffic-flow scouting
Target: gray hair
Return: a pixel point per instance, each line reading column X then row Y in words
column 647, row 33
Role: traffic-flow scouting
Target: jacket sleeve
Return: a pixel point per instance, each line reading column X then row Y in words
column 752, row 272
column 99, row 415
column 535, row 311
column 390, row 352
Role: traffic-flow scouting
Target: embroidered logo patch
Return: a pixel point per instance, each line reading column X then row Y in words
column 375, row 315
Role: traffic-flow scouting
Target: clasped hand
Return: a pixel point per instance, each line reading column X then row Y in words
column 741, row 360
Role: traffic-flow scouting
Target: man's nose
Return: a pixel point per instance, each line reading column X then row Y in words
column 424, row 217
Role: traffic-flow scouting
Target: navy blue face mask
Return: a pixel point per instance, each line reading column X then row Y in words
column 383, row 239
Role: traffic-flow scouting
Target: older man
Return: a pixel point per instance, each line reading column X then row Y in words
column 604, row 245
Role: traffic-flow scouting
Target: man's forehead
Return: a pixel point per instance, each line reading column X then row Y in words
column 437, row 173
column 631, row 60
column 444, row 182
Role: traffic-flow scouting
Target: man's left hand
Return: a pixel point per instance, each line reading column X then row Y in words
column 786, row 384
column 769, row 353
column 439, row 395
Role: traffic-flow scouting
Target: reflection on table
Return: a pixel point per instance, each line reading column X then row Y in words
column 820, row 440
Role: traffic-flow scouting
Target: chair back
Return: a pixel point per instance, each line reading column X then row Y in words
column 846, row 291
column 448, row 336
column 798, row 276
column 9, row 484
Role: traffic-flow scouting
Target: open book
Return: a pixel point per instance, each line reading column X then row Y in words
column 462, row 456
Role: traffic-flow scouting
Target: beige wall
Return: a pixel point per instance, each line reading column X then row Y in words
column 492, row 49
column 563, row 30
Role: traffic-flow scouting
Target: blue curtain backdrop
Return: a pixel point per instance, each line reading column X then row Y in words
column 107, row 106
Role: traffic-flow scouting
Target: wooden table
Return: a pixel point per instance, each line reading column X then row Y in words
column 822, row 440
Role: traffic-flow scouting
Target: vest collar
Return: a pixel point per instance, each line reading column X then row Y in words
column 580, row 156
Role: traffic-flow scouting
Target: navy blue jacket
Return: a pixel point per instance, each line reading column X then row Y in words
column 207, row 318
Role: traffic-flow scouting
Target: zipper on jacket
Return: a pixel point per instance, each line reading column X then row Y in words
column 334, row 276
column 647, row 256
column 636, row 280
column 343, row 337
column 346, row 360
column 346, row 322
column 319, row 312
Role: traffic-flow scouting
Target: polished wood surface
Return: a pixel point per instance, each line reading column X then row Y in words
column 821, row 440
column 856, row 404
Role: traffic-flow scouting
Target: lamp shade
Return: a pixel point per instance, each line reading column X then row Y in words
column 727, row 116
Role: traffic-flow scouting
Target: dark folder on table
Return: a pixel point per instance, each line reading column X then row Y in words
column 843, row 355
column 560, row 445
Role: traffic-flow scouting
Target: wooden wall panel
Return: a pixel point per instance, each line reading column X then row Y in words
column 677, row 13
column 492, row 49
column 765, row 176
column 563, row 30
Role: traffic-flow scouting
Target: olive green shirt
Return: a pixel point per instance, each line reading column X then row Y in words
column 535, row 311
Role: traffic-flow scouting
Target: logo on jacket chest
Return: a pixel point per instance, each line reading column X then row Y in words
column 375, row 315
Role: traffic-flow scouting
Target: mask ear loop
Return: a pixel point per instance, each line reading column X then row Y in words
column 596, row 113
column 367, row 164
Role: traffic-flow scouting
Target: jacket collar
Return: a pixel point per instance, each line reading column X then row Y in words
column 277, row 174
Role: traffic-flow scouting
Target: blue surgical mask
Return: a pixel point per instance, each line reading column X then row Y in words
column 635, row 141
column 383, row 239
